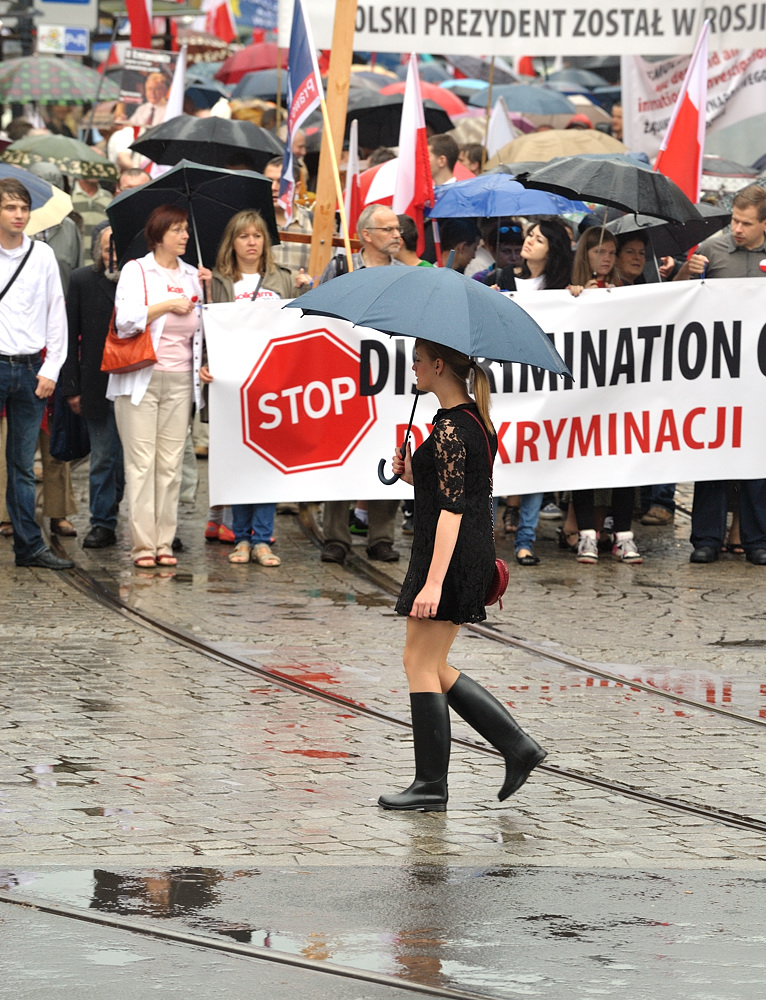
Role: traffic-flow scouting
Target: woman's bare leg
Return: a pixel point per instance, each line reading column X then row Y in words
column 425, row 655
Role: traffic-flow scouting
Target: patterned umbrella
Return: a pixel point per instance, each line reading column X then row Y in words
column 52, row 80
column 71, row 156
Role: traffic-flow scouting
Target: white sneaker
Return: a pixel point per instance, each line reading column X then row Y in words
column 587, row 549
column 625, row 548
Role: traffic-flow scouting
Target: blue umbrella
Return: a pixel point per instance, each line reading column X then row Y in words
column 529, row 99
column 492, row 195
column 437, row 304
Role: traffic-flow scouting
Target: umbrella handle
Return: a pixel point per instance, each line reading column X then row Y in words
column 386, row 480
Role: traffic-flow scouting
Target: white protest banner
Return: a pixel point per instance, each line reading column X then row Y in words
column 670, row 386
column 736, row 90
column 510, row 28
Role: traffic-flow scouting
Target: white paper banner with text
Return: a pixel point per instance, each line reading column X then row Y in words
column 670, row 386
column 736, row 90
column 565, row 28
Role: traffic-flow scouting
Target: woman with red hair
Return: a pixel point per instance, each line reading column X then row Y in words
column 153, row 406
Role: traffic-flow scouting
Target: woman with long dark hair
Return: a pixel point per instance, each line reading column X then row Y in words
column 546, row 262
column 451, row 568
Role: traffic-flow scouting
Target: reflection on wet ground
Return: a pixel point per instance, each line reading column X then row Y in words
column 503, row 931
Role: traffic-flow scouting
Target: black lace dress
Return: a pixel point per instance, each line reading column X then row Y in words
column 451, row 472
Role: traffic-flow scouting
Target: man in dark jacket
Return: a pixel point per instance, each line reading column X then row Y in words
column 89, row 305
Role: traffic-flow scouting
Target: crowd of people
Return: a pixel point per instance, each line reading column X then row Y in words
column 140, row 423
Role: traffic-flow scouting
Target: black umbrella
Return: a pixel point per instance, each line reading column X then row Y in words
column 619, row 181
column 528, row 98
column 215, row 142
column 210, row 196
column 380, row 115
column 671, row 239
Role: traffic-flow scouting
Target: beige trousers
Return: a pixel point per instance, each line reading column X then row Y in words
column 153, row 435
column 58, row 496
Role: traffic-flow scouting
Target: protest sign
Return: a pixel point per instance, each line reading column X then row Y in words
column 567, row 28
column 669, row 386
column 736, row 89
column 146, row 78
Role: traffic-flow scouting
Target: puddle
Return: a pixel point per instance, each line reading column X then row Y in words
column 115, row 957
column 343, row 597
column 44, row 775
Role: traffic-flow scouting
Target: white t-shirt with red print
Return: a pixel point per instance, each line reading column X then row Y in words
column 244, row 288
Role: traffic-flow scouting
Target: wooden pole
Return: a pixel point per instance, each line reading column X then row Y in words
column 489, row 112
column 337, row 103
column 338, row 188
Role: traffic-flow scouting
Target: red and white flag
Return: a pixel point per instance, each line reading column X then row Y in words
column 219, row 19
column 680, row 155
column 414, row 186
column 140, row 16
column 353, row 197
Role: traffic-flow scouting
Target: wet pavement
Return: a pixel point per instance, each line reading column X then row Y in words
column 127, row 754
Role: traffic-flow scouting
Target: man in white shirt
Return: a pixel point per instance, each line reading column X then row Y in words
column 152, row 111
column 32, row 318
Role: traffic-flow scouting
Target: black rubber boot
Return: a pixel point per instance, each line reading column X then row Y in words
column 484, row 713
column 431, row 736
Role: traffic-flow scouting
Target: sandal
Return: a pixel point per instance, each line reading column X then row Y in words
column 733, row 548
column 263, row 555
column 564, row 537
column 510, row 519
column 167, row 560
column 6, row 529
column 145, row 562
column 241, row 553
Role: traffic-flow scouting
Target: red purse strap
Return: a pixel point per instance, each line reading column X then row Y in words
column 143, row 275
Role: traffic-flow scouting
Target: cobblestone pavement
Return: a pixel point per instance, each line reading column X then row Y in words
column 119, row 744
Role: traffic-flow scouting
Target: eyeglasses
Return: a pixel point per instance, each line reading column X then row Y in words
column 180, row 228
column 390, row 230
column 509, row 229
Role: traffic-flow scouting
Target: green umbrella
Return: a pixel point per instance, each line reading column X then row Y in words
column 71, row 156
column 51, row 80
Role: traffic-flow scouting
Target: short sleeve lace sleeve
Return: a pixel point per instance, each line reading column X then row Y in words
column 450, row 465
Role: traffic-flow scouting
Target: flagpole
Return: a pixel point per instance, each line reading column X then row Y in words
column 338, row 188
column 489, row 108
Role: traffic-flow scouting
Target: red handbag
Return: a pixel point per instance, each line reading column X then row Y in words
column 128, row 354
column 499, row 582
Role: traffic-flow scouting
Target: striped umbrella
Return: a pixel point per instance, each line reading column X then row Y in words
column 49, row 204
column 51, row 80
column 71, row 156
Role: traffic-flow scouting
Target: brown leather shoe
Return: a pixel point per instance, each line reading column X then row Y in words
column 60, row 526
column 383, row 552
column 333, row 552
column 657, row 515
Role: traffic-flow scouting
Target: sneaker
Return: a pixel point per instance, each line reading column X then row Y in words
column 587, row 550
column 657, row 515
column 551, row 512
column 356, row 525
column 625, row 548
column 226, row 535
column 211, row 531
column 407, row 525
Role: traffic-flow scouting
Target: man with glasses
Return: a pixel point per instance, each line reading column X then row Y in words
column 381, row 238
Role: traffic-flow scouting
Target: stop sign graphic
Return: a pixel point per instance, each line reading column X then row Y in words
column 301, row 407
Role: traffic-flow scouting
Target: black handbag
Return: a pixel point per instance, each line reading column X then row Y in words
column 69, row 439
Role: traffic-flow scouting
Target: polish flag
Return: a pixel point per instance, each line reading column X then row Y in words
column 220, row 20
column 680, row 155
column 353, row 196
column 414, row 187
column 140, row 16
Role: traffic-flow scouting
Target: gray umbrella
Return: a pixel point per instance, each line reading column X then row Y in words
column 671, row 239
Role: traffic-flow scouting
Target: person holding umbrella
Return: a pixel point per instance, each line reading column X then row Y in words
column 152, row 406
column 245, row 269
column 451, row 567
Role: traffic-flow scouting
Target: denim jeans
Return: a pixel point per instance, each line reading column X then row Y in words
column 709, row 514
column 253, row 522
column 107, row 471
column 529, row 511
column 25, row 413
